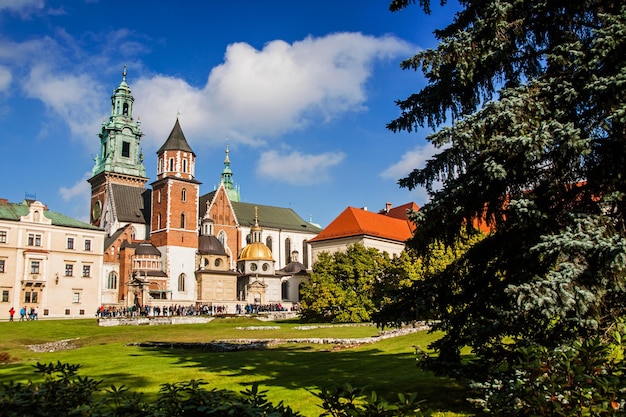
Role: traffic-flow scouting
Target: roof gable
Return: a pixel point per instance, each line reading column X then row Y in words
column 358, row 222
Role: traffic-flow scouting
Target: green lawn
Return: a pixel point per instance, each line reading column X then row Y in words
column 289, row 371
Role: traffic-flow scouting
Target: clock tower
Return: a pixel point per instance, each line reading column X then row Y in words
column 120, row 160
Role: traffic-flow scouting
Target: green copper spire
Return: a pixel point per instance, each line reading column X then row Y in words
column 120, row 137
column 227, row 179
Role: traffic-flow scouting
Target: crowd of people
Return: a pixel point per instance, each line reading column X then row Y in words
column 32, row 313
column 187, row 310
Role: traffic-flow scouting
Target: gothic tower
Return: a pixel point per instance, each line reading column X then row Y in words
column 120, row 160
column 174, row 224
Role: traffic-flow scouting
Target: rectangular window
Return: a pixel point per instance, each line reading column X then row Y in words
column 30, row 297
column 86, row 271
column 3, row 236
column 34, row 239
column 1, row 266
column 70, row 243
column 88, row 245
column 126, row 149
column 69, row 270
column 76, row 298
column 5, row 296
column 34, row 267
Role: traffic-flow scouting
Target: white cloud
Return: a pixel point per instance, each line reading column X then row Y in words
column 252, row 97
column 21, row 6
column 297, row 168
column 81, row 189
column 5, row 78
column 75, row 98
column 411, row 160
column 263, row 93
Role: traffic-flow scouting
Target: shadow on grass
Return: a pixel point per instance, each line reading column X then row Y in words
column 305, row 367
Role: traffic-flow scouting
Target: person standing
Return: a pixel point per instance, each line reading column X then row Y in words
column 22, row 313
column 11, row 314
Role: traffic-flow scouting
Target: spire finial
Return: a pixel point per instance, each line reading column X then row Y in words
column 256, row 216
column 124, row 73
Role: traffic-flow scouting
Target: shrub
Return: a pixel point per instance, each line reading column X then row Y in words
column 347, row 401
column 587, row 378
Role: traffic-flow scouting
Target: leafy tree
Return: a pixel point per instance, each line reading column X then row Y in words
column 527, row 102
column 341, row 286
column 408, row 274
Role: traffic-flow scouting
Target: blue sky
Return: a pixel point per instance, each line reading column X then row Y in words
column 301, row 91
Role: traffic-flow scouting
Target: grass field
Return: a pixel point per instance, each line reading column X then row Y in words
column 290, row 372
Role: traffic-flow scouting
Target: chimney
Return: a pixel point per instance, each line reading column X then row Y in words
column 387, row 207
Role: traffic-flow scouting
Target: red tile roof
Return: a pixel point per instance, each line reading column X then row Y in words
column 358, row 222
column 400, row 212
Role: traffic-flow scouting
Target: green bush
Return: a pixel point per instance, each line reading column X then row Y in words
column 346, row 401
column 587, row 378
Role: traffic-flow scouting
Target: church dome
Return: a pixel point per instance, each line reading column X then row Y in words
column 256, row 251
column 210, row 245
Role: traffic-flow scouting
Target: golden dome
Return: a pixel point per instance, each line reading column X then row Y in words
column 256, row 251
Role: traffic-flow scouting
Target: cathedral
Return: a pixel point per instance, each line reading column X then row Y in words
column 167, row 244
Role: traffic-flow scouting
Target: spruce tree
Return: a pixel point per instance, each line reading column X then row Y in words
column 527, row 101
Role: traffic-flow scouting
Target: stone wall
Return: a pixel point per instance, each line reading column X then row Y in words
column 153, row 321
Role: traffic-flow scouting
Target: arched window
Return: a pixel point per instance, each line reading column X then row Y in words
column 268, row 243
column 158, row 221
column 184, row 165
column 184, row 195
column 171, row 164
column 125, row 111
column 221, row 236
column 133, row 233
column 248, row 238
column 288, row 249
column 305, row 253
column 284, row 287
column 112, row 281
column 181, row 282
column 182, row 220
column 160, row 166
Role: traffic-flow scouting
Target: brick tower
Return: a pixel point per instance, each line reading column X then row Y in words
column 174, row 223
